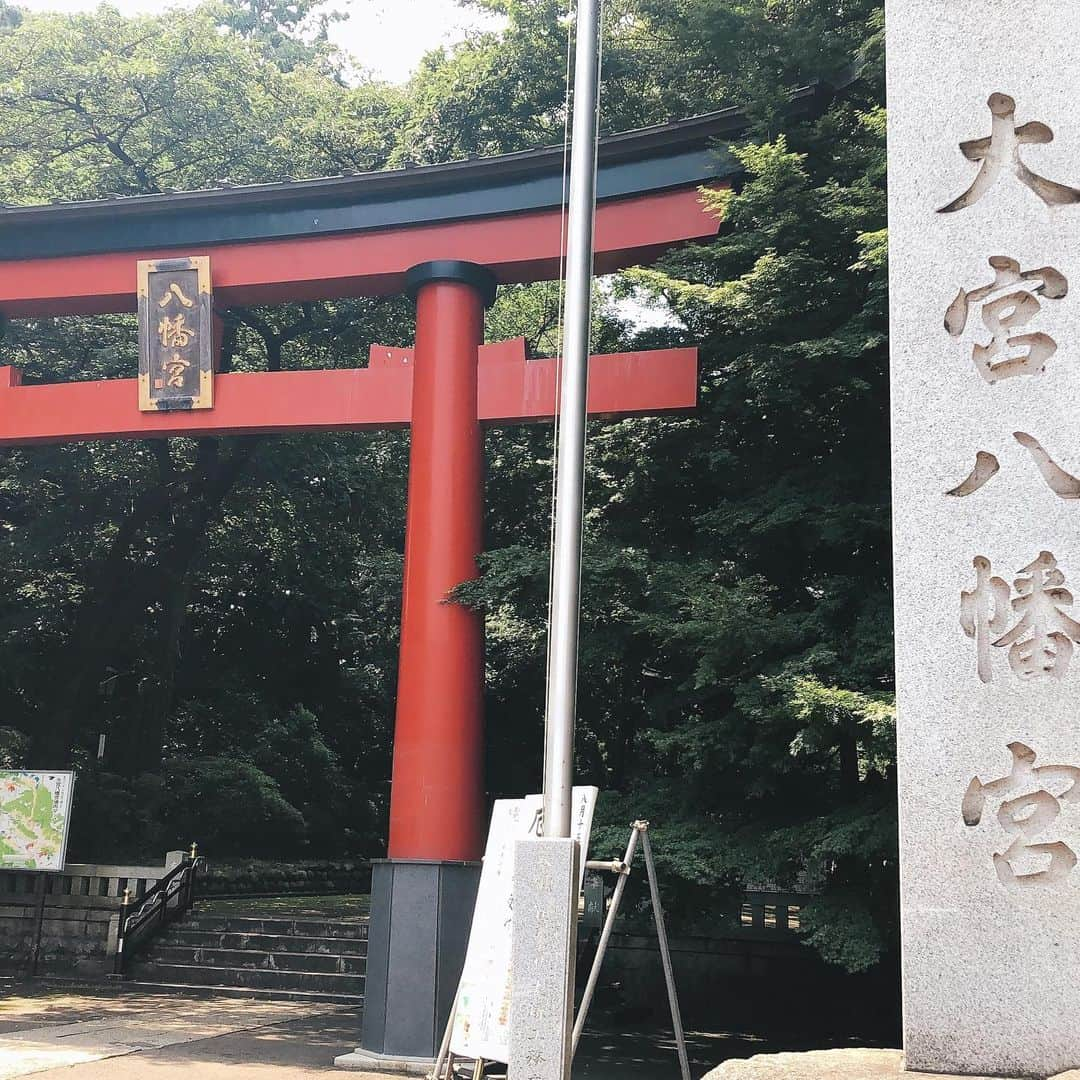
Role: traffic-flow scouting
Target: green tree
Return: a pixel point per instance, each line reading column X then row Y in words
column 96, row 104
column 232, row 806
column 736, row 658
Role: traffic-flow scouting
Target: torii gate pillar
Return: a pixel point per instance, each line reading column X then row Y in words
column 422, row 895
column 436, row 807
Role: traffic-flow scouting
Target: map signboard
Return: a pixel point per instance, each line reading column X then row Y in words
column 35, row 811
column 482, row 1018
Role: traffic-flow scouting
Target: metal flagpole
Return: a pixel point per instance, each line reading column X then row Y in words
column 570, row 479
column 546, row 878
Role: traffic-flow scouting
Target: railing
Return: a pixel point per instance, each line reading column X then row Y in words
column 69, row 921
column 768, row 914
column 86, row 884
column 143, row 916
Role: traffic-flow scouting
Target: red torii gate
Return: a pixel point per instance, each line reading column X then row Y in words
column 447, row 235
column 446, row 390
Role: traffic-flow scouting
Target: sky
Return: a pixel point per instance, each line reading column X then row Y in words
column 388, row 37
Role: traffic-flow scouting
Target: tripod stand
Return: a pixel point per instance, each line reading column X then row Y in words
column 622, row 867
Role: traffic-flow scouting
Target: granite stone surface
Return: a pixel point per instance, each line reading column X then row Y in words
column 542, row 958
column 824, row 1065
column 984, row 209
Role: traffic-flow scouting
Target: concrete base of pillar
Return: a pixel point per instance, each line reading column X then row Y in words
column 361, row 1061
column 421, row 912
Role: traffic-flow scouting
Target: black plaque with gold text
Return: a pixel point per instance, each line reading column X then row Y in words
column 176, row 335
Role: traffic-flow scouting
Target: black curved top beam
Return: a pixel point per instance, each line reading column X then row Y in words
column 676, row 155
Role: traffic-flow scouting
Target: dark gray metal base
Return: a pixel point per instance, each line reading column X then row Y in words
column 420, row 918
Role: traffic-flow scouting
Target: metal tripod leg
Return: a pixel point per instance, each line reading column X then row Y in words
column 665, row 952
column 623, row 870
column 444, row 1049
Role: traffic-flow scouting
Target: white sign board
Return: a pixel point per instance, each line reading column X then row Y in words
column 35, row 812
column 482, row 1019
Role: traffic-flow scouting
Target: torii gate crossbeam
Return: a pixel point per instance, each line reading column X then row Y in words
column 511, row 389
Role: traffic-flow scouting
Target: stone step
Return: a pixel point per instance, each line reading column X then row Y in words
column 318, row 928
column 315, row 997
column 179, row 935
column 248, row 978
column 313, row 962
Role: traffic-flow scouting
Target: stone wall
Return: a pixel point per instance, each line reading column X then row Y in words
column 762, row 983
column 70, row 919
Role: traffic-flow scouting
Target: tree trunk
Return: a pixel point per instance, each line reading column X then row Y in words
column 187, row 544
column 112, row 606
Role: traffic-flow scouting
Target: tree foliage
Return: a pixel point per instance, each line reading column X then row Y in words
column 226, row 610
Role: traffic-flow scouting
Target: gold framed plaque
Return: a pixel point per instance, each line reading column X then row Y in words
column 176, row 335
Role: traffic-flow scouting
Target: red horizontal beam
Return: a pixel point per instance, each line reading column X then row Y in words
column 517, row 247
column 512, row 389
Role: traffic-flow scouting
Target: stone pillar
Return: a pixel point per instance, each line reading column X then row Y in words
column 984, row 184
column 423, row 894
column 543, row 957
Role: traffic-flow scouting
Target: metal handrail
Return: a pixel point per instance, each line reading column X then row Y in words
column 168, row 899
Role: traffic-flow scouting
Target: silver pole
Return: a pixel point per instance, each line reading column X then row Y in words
column 605, row 937
column 570, row 479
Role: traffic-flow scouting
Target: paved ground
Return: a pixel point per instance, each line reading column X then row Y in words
column 77, row 1036
column 84, row 1037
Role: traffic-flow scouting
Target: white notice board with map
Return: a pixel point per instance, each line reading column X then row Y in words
column 35, row 811
column 482, row 1019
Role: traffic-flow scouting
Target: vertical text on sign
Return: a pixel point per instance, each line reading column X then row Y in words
column 176, row 335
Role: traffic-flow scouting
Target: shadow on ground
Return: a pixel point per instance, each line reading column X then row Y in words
column 138, row 1036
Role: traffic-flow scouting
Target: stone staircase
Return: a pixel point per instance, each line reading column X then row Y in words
column 284, row 959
